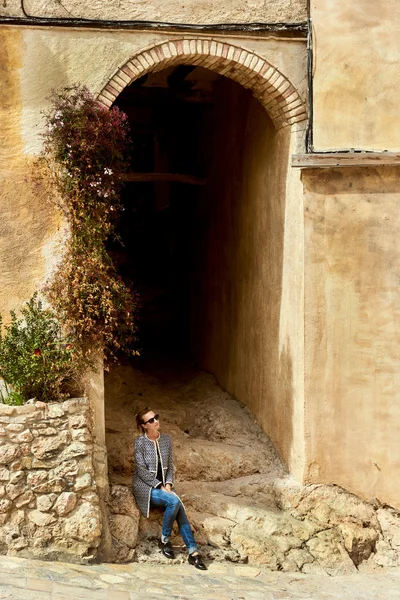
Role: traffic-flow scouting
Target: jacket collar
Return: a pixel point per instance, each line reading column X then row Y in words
column 154, row 441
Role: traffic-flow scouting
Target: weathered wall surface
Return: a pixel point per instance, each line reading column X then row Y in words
column 352, row 307
column 35, row 61
column 30, row 229
column 356, row 74
column 48, row 498
column 183, row 11
column 57, row 58
column 239, row 296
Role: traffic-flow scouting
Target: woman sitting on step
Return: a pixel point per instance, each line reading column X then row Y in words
column 153, row 481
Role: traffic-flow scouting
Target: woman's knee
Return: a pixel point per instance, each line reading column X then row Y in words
column 173, row 500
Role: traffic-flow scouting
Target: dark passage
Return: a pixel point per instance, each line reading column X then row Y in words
column 167, row 114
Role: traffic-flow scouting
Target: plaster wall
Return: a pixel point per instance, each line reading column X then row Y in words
column 352, row 344
column 356, row 75
column 182, row 11
column 247, row 325
column 55, row 58
column 30, row 230
column 35, row 61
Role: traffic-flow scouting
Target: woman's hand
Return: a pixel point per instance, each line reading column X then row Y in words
column 167, row 488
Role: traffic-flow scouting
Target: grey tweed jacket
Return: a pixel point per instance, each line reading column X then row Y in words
column 145, row 473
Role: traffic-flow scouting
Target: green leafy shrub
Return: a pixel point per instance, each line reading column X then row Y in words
column 36, row 359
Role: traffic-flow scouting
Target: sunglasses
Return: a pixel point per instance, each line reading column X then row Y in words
column 155, row 418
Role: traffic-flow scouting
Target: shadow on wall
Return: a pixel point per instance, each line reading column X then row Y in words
column 283, row 410
column 238, row 250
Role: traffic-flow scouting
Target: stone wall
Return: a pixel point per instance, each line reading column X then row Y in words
column 186, row 11
column 48, row 499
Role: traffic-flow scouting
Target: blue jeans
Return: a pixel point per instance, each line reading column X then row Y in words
column 174, row 509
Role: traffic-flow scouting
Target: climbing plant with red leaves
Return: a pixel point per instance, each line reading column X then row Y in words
column 86, row 152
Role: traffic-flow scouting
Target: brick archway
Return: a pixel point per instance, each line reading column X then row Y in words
column 275, row 92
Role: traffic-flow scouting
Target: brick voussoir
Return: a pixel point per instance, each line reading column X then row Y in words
column 114, row 83
column 289, row 108
column 108, row 97
column 105, row 101
column 111, row 90
column 122, row 77
column 165, row 50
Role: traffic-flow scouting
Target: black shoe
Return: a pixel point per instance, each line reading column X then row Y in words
column 166, row 549
column 197, row 562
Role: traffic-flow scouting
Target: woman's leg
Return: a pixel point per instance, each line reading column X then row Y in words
column 185, row 530
column 171, row 503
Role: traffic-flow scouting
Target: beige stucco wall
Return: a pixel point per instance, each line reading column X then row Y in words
column 38, row 60
column 35, row 61
column 30, row 228
column 182, row 11
column 247, row 305
column 53, row 58
column 352, row 307
column 356, row 74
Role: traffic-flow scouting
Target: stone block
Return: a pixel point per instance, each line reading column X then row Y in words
column 75, row 449
column 124, row 529
column 81, row 435
column 41, row 519
column 36, row 477
column 5, row 505
column 68, row 470
column 121, row 502
column 44, row 503
column 45, row 448
column 16, row 476
column 52, row 485
column 48, row 431
column 15, row 427
column 26, row 409
column 24, row 499
column 4, row 474
column 83, row 482
column 327, row 549
column 77, row 421
column 65, row 503
column 13, row 491
column 55, row 410
column 25, row 462
column 8, row 453
column 84, row 524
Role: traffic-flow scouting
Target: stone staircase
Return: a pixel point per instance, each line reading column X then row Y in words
column 242, row 504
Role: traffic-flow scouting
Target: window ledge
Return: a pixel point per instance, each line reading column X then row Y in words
column 320, row 160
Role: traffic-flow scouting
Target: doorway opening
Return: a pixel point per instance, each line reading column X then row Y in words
column 203, row 239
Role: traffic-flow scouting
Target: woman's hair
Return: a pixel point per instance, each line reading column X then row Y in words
column 139, row 418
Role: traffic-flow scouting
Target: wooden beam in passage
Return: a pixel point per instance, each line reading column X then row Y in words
column 345, row 159
column 169, row 177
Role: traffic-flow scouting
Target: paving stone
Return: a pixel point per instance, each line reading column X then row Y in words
column 39, row 584
column 33, row 580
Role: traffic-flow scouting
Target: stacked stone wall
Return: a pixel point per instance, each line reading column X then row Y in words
column 49, row 506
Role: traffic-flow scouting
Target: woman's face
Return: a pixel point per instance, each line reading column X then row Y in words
column 150, row 427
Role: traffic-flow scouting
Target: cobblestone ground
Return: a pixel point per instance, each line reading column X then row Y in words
column 22, row 579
